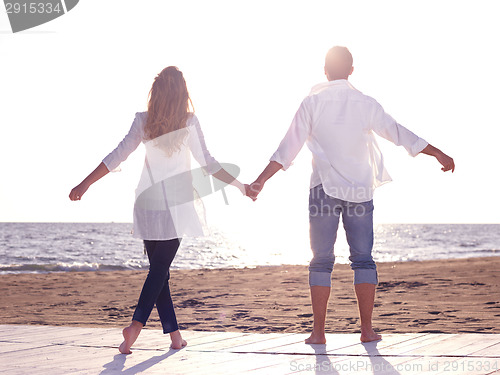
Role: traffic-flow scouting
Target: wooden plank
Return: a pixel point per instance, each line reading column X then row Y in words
column 237, row 363
column 407, row 347
column 275, row 364
column 61, row 356
column 473, row 342
column 489, row 351
column 73, row 360
column 470, row 366
column 333, row 342
column 15, row 347
column 210, row 363
column 386, row 365
column 23, row 370
column 267, row 343
column 211, row 337
column 185, row 362
column 94, row 350
column 153, row 339
column 7, row 329
column 248, row 338
column 373, row 348
column 40, row 335
column 445, row 365
column 450, row 343
column 314, row 364
column 31, row 355
column 355, row 365
column 294, row 344
column 95, row 337
column 24, row 333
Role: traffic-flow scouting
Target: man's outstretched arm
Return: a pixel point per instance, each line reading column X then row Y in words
column 441, row 157
column 254, row 189
column 288, row 149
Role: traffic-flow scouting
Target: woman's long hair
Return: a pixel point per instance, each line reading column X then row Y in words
column 169, row 108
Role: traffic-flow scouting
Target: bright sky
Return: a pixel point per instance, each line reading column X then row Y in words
column 69, row 90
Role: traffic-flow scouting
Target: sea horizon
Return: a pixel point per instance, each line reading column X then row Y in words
column 37, row 247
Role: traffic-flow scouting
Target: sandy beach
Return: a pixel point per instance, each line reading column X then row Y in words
column 446, row 296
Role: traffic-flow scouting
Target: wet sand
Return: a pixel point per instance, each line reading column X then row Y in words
column 446, row 296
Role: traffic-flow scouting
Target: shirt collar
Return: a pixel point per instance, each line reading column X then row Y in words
column 316, row 89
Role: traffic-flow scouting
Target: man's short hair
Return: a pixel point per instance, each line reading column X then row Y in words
column 338, row 62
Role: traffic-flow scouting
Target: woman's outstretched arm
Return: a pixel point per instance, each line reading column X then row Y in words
column 111, row 162
column 78, row 191
column 226, row 177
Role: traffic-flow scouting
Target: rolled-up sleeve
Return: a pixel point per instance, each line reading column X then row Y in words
column 294, row 139
column 128, row 145
column 199, row 149
column 386, row 127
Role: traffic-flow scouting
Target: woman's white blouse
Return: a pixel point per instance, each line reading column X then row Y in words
column 167, row 204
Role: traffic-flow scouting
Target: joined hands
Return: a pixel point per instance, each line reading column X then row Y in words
column 253, row 190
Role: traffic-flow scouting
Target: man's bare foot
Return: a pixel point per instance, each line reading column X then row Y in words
column 316, row 339
column 130, row 334
column 370, row 335
column 177, row 341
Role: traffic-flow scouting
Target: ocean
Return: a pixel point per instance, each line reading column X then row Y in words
column 66, row 247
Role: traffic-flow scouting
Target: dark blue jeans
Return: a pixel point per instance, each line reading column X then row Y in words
column 156, row 288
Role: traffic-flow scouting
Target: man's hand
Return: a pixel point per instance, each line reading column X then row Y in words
column 446, row 162
column 441, row 157
column 78, row 191
column 253, row 190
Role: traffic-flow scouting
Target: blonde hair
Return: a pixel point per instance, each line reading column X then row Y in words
column 169, row 108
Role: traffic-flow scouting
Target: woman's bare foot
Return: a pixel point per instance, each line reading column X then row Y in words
column 316, row 339
column 369, row 335
column 177, row 340
column 130, row 334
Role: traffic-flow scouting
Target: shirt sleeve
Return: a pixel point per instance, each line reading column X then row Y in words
column 199, row 149
column 386, row 127
column 294, row 139
column 128, row 145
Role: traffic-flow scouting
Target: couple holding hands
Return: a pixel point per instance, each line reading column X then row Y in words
column 336, row 121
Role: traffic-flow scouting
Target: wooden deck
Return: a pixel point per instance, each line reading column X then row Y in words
column 72, row 350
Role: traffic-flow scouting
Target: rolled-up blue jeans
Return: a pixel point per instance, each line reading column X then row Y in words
column 156, row 288
column 324, row 216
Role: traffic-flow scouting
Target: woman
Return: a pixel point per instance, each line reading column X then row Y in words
column 164, row 209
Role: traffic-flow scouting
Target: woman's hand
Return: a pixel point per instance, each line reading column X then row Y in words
column 253, row 190
column 248, row 192
column 78, row 191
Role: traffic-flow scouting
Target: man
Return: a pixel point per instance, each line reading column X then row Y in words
column 338, row 124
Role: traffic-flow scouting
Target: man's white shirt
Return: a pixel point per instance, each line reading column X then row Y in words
column 338, row 122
